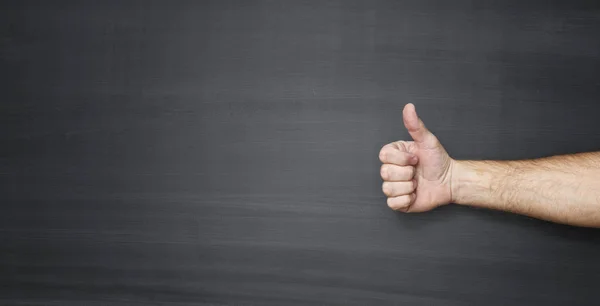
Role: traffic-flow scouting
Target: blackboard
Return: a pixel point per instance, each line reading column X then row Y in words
column 226, row 152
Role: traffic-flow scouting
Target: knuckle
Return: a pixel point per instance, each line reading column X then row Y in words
column 390, row 203
column 384, row 172
column 384, row 188
column 400, row 145
column 383, row 154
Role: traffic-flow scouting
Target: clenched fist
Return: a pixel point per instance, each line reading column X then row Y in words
column 417, row 174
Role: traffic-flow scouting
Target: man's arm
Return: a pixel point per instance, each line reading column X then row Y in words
column 563, row 189
column 419, row 176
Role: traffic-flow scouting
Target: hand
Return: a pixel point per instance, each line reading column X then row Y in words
column 416, row 174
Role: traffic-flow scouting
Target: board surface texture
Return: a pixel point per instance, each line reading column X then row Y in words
column 226, row 152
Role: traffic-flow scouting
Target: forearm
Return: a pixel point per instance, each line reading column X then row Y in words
column 563, row 189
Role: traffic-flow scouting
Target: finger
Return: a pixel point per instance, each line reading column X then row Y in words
column 401, row 203
column 394, row 189
column 415, row 126
column 395, row 173
column 391, row 155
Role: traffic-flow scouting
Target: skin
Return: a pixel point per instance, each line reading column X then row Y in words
column 419, row 176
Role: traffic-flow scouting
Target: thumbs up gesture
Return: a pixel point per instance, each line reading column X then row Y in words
column 417, row 174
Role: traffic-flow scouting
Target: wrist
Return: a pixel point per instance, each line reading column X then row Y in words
column 455, row 168
column 466, row 182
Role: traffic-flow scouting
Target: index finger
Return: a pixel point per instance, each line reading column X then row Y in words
column 391, row 155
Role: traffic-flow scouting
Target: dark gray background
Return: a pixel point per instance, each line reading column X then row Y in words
column 226, row 152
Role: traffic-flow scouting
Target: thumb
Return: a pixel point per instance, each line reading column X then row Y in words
column 417, row 130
